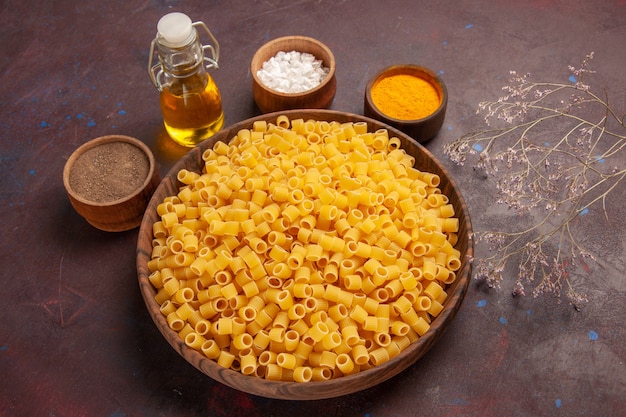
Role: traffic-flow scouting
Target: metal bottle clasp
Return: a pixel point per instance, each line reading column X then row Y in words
column 156, row 71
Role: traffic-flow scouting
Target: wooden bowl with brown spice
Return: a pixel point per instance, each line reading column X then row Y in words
column 109, row 181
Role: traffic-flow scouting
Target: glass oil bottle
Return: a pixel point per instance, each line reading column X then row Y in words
column 190, row 100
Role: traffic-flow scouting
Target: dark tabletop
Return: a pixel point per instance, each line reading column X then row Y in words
column 75, row 335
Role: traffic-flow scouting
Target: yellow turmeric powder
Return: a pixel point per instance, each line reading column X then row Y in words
column 405, row 97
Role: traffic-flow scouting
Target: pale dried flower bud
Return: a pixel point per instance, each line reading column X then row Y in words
column 548, row 180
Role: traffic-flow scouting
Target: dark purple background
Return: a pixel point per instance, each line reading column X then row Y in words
column 75, row 337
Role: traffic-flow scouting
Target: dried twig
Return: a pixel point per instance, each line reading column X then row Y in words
column 550, row 148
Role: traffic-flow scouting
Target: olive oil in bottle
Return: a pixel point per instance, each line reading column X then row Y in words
column 191, row 103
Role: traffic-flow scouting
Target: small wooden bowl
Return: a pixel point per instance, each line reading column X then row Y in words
column 110, row 180
column 424, row 129
column 320, row 97
column 344, row 385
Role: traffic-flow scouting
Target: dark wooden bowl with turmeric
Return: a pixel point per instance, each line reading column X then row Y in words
column 410, row 98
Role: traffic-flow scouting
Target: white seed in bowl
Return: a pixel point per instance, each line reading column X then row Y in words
column 292, row 72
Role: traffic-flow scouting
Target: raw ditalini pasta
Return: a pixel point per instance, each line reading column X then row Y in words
column 305, row 250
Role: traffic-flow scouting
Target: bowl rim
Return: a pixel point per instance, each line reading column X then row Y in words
column 103, row 140
column 408, row 69
column 331, row 65
column 321, row 389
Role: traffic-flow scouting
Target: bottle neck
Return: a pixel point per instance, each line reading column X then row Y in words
column 181, row 61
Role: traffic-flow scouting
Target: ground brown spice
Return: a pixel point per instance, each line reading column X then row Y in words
column 109, row 172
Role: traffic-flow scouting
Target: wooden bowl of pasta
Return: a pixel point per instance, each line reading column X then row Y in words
column 270, row 99
column 316, row 301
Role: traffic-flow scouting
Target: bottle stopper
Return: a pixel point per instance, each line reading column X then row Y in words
column 175, row 29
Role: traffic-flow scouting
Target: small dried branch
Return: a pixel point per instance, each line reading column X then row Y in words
column 554, row 152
